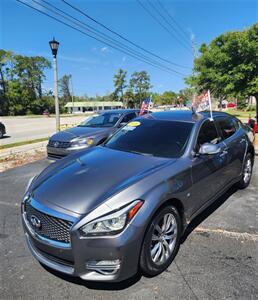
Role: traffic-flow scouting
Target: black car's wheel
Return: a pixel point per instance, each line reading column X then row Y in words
column 247, row 172
column 161, row 241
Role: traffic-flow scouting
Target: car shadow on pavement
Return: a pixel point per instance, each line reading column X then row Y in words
column 94, row 285
column 6, row 137
column 131, row 281
column 207, row 212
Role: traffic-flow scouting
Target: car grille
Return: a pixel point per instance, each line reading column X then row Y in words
column 55, row 258
column 55, row 156
column 58, row 144
column 51, row 227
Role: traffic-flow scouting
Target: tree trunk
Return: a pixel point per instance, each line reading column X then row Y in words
column 39, row 87
column 256, row 98
column 122, row 98
column 2, row 81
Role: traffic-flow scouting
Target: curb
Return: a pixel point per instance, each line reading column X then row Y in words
column 22, row 149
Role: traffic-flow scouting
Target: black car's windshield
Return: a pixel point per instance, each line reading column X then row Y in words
column 102, row 120
column 152, row 137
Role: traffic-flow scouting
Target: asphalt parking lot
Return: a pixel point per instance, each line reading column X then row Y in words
column 20, row 129
column 218, row 258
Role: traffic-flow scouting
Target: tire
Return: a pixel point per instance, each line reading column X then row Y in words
column 1, row 133
column 155, row 259
column 247, row 172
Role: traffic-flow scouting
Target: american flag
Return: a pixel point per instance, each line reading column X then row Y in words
column 146, row 104
column 202, row 102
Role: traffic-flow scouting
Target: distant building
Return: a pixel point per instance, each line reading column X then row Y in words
column 83, row 106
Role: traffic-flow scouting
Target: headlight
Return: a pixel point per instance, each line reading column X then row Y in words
column 84, row 142
column 112, row 223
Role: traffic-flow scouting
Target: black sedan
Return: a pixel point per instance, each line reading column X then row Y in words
column 2, row 130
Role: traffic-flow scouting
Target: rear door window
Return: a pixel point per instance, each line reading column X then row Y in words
column 227, row 127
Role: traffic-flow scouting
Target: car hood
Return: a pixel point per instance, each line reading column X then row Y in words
column 81, row 183
column 69, row 134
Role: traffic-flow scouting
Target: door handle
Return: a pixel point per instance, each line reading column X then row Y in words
column 223, row 153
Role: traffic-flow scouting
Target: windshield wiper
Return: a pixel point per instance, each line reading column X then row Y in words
column 140, row 153
column 90, row 125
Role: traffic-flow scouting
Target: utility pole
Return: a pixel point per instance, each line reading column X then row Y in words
column 72, row 91
column 194, row 56
column 54, row 47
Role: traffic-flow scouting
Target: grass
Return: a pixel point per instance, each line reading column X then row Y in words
column 23, row 143
column 241, row 113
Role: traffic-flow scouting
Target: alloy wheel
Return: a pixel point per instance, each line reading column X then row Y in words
column 163, row 239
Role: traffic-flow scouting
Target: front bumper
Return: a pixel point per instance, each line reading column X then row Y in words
column 56, row 153
column 79, row 258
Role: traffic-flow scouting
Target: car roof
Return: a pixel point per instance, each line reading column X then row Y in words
column 184, row 115
column 119, row 111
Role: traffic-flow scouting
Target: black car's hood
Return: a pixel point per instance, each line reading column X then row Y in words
column 81, row 183
column 79, row 131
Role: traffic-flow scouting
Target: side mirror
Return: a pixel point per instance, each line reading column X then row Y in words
column 209, row 149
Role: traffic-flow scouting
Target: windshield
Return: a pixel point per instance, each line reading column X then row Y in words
column 152, row 137
column 102, row 120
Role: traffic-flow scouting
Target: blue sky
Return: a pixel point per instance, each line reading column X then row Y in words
column 93, row 64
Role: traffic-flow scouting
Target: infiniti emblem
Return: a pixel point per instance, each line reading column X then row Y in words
column 35, row 221
column 56, row 144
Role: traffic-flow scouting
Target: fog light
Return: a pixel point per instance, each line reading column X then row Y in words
column 105, row 267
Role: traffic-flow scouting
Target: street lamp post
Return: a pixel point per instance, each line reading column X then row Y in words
column 54, row 47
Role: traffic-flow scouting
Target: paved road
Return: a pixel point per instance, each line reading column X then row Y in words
column 26, row 128
column 218, row 258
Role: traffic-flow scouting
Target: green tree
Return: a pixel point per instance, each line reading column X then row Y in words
column 140, row 85
column 169, row 98
column 64, row 85
column 120, row 85
column 187, row 94
column 13, row 94
column 21, row 80
column 228, row 65
column 129, row 98
column 5, row 60
column 28, row 73
column 156, row 98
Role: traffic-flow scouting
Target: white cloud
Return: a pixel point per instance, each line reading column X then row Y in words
column 85, row 68
column 104, row 50
column 79, row 59
column 192, row 36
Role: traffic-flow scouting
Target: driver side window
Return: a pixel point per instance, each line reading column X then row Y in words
column 207, row 134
